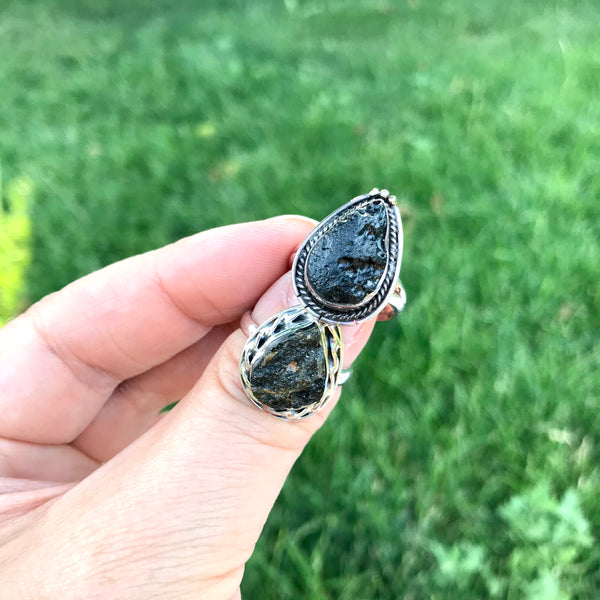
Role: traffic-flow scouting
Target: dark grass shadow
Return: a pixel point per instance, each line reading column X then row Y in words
column 127, row 13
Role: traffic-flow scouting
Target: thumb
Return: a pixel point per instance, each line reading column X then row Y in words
column 177, row 514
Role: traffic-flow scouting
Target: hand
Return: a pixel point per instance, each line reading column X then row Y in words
column 100, row 495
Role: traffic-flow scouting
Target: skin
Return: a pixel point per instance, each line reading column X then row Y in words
column 102, row 497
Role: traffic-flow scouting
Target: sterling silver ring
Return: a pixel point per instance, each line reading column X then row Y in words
column 292, row 364
column 346, row 271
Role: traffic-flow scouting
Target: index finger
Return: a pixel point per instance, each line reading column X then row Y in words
column 60, row 361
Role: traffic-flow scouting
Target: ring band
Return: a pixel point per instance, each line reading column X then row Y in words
column 395, row 304
column 247, row 324
column 344, row 376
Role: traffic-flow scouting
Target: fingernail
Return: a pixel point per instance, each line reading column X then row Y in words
column 277, row 298
column 297, row 218
column 281, row 295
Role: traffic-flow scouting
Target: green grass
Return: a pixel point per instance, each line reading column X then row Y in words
column 463, row 460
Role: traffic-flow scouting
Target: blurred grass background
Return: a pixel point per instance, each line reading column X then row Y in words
column 463, row 461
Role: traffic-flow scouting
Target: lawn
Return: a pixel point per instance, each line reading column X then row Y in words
column 462, row 462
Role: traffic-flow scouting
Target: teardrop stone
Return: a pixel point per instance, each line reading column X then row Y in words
column 292, row 371
column 347, row 264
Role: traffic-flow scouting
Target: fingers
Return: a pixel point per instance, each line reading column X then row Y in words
column 135, row 405
column 18, row 497
column 77, row 345
column 187, row 501
column 43, row 462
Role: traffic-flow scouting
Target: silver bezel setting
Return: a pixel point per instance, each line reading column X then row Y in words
column 280, row 325
column 377, row 300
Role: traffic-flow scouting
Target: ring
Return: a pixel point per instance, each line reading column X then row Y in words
column 347, row 268
column 291, row 365
column 346, row 271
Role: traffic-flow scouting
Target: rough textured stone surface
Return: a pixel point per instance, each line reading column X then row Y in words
column 292, row 372
column 347, row 264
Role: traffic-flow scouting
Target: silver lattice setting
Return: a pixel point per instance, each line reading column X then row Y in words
column 291, row 365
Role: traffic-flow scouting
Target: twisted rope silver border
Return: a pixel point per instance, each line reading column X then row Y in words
column 386, row 286
column 283, row 323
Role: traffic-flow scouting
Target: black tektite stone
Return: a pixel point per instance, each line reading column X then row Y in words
column 349, row 261
column 292, row 372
